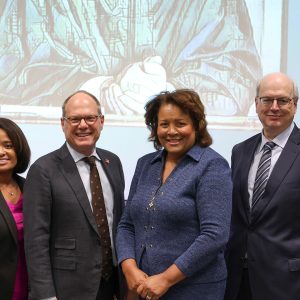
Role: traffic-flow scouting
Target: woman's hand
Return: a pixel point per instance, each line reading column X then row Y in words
column 134, row 276
column 153, row 287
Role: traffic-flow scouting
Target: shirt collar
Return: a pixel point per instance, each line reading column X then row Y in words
column 77, row 156
column 280, row 140
column 195, row 153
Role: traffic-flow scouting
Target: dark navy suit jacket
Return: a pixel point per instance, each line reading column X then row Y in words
column 271, row 236
column 188, row 223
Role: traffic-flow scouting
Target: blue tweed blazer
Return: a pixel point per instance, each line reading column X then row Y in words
column 184, row 221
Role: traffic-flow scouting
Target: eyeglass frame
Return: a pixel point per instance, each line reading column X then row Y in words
column 289, row 99
column 80, row 118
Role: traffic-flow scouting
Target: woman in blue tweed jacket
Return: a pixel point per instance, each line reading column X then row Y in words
column 171, row 238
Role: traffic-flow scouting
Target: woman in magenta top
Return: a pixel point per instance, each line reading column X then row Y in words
column 14, row 158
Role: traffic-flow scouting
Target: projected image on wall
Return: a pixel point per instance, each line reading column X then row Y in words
column 124, row 52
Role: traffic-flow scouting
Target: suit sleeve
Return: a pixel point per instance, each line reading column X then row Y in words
column 37, row 224
column 125, row 242
column 123, row 183
column 213, row 202
column 233, row 156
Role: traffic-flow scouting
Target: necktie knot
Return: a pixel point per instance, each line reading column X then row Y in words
column 269, row 146
column 91, row 160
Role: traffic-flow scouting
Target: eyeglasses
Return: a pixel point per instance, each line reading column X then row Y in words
column 268, row 101
column 76, row 120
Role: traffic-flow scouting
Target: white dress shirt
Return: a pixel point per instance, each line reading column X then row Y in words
column 280, row 142
column 84, row 172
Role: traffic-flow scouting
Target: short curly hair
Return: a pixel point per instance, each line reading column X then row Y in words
column 189, row 102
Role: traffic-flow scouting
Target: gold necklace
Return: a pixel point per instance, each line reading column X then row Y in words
column 10, row 192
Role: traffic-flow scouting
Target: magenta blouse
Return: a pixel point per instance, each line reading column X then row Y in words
column 21, row 283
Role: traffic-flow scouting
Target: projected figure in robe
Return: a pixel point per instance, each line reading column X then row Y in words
column 126, row 51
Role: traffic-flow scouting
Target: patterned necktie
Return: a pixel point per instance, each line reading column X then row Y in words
column 262, row 173
column 99, row 212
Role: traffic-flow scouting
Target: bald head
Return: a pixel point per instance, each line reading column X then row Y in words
column 276, row 103
column 80, row 92
column 275, row 81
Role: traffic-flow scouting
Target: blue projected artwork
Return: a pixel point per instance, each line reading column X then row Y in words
column 124, row 52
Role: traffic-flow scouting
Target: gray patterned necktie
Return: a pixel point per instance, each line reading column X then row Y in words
column 262, row 173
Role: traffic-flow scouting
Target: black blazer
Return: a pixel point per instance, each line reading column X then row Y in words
column 62, row 243
column 8, row 247
column 272, row 236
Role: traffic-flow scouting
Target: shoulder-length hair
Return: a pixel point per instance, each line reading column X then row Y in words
column 19, row 142
column 189, row 102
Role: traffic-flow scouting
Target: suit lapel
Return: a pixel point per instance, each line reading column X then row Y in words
column 108, row 169
column 105, row 162
column 247, row 159
column 8, row 217
column 71, row 174
column 290, row 152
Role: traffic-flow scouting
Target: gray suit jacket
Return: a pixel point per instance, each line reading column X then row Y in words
column 271, row 236
column 62, row 243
